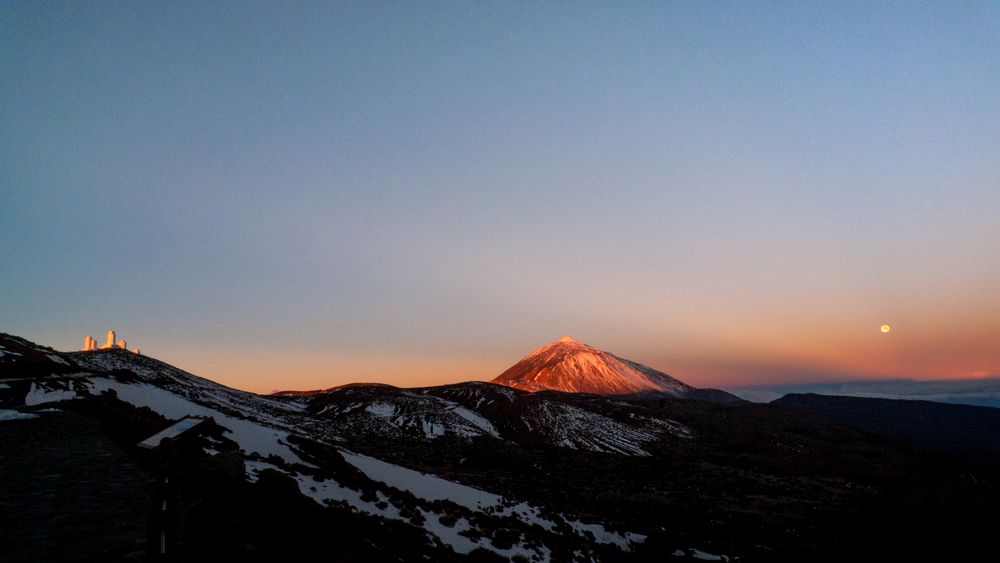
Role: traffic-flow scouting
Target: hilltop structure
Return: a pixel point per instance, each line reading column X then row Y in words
column 90, row 345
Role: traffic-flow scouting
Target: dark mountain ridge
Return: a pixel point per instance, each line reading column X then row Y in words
column 955, row 430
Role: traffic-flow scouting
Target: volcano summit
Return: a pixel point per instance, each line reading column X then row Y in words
column 571, row 366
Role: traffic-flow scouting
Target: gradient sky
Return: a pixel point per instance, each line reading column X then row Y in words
column 295, row 196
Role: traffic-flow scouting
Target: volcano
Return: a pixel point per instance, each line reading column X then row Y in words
column 571, row 366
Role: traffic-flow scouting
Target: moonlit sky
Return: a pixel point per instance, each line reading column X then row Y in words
column 283, row 196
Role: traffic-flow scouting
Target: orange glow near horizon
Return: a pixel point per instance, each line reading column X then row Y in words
column 779, row 354
column 730, row 343
column 264, row 372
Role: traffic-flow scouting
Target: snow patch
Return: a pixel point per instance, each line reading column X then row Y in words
column 381, row 409
column 603, row 535
column 38, row 395
column 700, row 555
column 428, row 487
column 15, row 415
column 4, row 351
column 477, row 421
column 432, row 430
column 57, row 359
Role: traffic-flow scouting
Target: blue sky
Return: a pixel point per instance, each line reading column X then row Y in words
column 300, row 195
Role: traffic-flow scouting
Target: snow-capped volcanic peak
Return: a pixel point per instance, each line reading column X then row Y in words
column 572, row 366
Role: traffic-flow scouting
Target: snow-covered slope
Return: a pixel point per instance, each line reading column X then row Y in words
column 389, row 412
column 573, row 427
column 574, row 367
column 484, row 412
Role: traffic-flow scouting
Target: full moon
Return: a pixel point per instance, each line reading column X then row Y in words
column 886, row 328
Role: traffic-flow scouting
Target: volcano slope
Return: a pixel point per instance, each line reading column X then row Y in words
column 574, row 367
column 476, row 471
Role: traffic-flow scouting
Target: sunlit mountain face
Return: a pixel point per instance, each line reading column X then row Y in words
column 571, row 366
